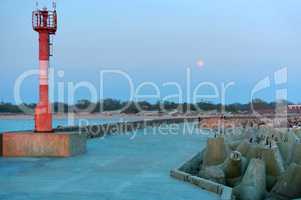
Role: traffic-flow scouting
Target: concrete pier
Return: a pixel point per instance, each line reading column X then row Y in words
column 28, row 144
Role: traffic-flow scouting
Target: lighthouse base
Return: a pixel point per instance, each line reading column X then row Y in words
column 29, row 144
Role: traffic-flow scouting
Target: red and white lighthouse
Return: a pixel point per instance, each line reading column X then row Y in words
column 45, row 23
column 45, row 142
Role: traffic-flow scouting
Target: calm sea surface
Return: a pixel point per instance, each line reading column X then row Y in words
column 132, row 166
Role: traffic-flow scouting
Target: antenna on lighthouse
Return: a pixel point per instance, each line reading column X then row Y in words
column 37, row 5
column 54, row 5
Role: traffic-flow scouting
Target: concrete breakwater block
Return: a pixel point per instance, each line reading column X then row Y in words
column 213, row 173
column 253, row 184
column 192, row 166
column 216, row 152
column 29, row 144
column 296, row 154
column 289, row 184
column 273, row 161
column 233, row 166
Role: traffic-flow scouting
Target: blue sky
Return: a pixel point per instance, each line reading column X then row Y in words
column 154, row 40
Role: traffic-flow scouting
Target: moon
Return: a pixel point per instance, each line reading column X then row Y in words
column 200, row 63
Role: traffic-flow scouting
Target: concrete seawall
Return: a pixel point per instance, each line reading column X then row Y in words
column 122, row 127
column 187, row 172
column 224, row 192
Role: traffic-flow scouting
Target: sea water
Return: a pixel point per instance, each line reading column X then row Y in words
column 135, row 165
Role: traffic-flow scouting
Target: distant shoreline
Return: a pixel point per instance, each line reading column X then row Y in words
column 12, row 116
column 108, row 115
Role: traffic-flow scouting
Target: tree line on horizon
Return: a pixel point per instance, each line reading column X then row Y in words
column 135, row 107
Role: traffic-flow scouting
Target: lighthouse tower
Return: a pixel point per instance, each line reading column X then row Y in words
column 45, row 23
column 43, row 141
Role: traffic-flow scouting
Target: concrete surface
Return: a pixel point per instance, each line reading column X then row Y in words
column 213, row 173
column 253, row 184
column 29, row 144
column 289, row 184
column 222, row 192
column 233, row 166
column 216, row 151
